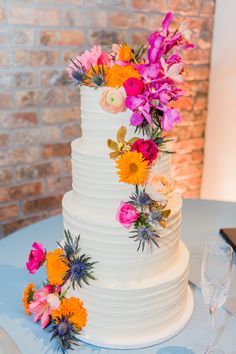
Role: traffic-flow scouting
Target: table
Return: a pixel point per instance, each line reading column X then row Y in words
column 201, row 223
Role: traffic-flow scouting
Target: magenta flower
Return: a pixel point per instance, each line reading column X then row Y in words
column 141, row 109
column 127, row 214
column 133, row 86
column 148, row 148
column 170, row 117
column 44, row 301
column 36, row 257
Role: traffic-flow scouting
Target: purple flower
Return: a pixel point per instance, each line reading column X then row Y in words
column 170, row 117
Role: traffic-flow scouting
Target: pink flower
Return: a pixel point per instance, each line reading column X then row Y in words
column 36, row 257
column 133, row 86
column 170, row 117
column 112, row 100
column 127, row 214
column 104, row 59
column 87, row 59
column 148, row 148
column 44, row 301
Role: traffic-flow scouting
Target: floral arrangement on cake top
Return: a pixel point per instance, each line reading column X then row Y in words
column 66, row 267
column 144, row 79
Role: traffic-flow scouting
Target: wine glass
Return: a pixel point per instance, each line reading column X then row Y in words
column 215, row 281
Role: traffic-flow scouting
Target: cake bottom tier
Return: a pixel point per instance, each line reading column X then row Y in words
column 155, row 309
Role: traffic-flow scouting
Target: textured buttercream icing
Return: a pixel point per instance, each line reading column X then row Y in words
column 135, row 294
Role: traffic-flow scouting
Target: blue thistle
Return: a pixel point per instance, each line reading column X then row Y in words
column 140, row 198
column 144, row 235
column 78, row 76
column 65, row 335
column 80, row 266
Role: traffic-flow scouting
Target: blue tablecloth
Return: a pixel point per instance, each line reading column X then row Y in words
column 201, row 223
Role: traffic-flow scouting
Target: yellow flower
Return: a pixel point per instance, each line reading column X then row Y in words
column 125, row 53
column 56, row 267
column 28, row 297
column 121, row 146
column 72, row 309
column 132, row 168
column 117, row 75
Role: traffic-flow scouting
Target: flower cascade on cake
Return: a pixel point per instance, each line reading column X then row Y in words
column 146, row 80
column 66, row 266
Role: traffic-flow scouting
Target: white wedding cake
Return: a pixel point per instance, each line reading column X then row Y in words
column 137, row 298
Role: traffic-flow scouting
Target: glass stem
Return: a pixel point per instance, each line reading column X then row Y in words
column 212, row 311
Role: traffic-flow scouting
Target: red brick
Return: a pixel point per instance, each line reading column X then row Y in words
column 139, row 37
column 31, row 16
column 38, row 135
column 60, row 2
column 4, row 140
column 42, row 204
column 200, row 103
column 36, row 57
column 53, row 78
column 20, row 192
column 197, row 156
column 6, row 100
column 62, row 37
column 147, row 5
column 72, row 131
column 40, row 98
column 74, row 17
column 62, row 184
column 5, row 175
column 105, row 37
column 17, row 120
column 3, row 59
column 190, row 7
column 189, row 145
column 183, row 103
column 57, row 116
column 21, row 36
column 119, row 20
column 12, row 226
column 20, row 155
column 2, row 15
column 185, row 172
column 13, row 81
column 56, row 150
column 110, row 4
column 197, row 72
column 8, row 212
column 66, row 165
column 197, row 56
column 207, row 8
column 40, row 170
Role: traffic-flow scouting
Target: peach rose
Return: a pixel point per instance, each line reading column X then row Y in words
column 113, row 100
column 158, row 187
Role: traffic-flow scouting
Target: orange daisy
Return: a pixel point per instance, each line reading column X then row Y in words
column 117, row 75
column 72, row 309
column 132, row 168
column 56, row 267
column 28, row 297
column 125, row 53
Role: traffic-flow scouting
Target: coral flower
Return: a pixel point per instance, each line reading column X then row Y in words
column 71, row 309
column 56, row 267
column 112, row 100
column 44, row 301
column 132, row 168
column 117, row 75
column 28, row 297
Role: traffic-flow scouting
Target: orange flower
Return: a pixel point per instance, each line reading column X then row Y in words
column 132, row 168
column 125, row 53
column 28, row 297
column 117, row 75
column 72, row 309
column 56, row 267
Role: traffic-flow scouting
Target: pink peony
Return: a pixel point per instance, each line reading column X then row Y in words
column 112, row 100
column 147, row 147
column 36, row 257
column 133, row 86
column 126, row 214
column 45, row 300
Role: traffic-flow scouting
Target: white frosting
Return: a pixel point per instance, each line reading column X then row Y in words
column 135, row 293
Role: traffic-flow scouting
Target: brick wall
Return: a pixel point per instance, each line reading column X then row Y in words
column 40, row 116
